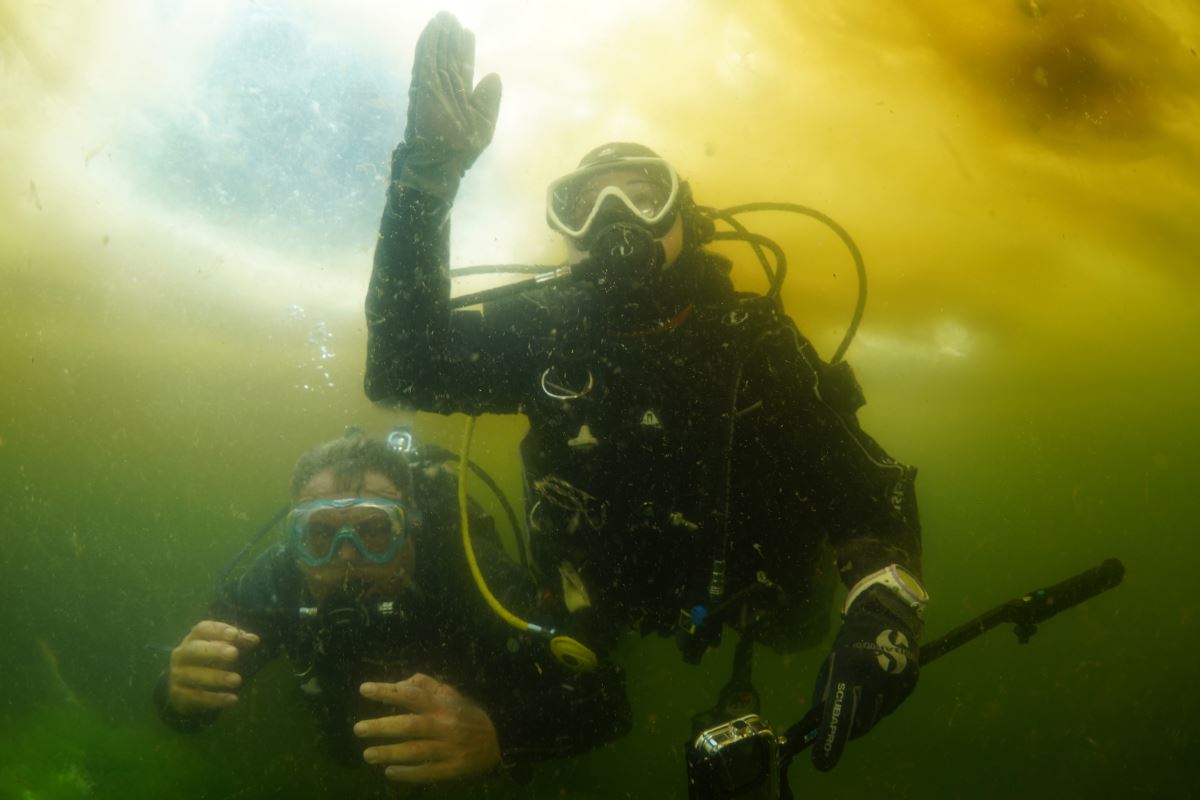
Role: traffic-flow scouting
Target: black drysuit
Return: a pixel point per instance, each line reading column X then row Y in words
column 651, row 454
column 444, row 629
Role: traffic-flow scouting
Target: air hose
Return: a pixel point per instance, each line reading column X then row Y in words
column 776, row 276
column 546, row 274
column 569, row 652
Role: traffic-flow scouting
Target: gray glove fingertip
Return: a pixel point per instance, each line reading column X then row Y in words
column 466, row 55
column 486, row 98
column 446, row 56
column 427, row 48
column 444, row 22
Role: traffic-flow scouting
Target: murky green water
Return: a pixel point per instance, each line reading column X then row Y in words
column 188, row 197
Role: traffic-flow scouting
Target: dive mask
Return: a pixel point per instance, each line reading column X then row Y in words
column 645, row 190
column 375, row 526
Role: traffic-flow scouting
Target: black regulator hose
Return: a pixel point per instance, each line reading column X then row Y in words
column 499, row 269
column 544, row 274
column 795, row 208
column 714, row 214
column 434, row 453
column 758, row 241
column 262, row 531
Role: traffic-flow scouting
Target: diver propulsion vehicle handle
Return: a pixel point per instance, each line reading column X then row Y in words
column 1027, row 611
column 1024, row 612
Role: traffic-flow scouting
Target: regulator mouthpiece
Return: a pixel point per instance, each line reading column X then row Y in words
column 623, row 256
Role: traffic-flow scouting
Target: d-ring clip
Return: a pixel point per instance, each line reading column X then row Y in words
column 560, row 392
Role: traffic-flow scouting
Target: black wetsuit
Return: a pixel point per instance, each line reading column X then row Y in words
column 648, row 449
column 444, row 629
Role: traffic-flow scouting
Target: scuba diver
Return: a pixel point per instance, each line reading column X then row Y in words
column 370, row 599
column 691, row 463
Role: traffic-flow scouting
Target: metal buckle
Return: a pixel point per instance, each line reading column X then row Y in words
column 559, row 392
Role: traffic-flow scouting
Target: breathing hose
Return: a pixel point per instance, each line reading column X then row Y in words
column 569, row 652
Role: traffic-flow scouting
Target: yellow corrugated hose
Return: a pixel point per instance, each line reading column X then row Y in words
column 571, row 653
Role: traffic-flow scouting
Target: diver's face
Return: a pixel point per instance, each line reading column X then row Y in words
column 383, row 581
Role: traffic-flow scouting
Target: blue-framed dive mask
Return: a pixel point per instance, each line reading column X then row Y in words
column 377, row 527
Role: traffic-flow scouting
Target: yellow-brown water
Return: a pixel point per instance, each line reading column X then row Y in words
column 188, row 202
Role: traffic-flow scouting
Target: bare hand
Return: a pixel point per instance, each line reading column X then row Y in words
column 201, row 676
column 446, row 735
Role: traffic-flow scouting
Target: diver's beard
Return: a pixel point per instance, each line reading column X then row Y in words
column 351, row 581
column 352, row 587
column 351, row 592
column 350, row 607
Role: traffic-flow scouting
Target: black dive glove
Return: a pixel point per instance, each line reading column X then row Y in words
column 450, row 120
column 872, row 668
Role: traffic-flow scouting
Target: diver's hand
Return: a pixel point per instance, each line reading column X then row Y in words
column 873, row 667
column 201, row 677
column 448, row 115
column 446, row 736
column 450, row 119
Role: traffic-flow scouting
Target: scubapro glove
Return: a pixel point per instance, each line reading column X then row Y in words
column 873, row 665
column 450, row 119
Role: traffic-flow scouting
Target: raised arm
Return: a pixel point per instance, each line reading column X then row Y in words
column 418, row 352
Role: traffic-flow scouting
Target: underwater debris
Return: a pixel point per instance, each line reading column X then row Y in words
column 74, row 777
column 93, row 152
column 51, row 659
